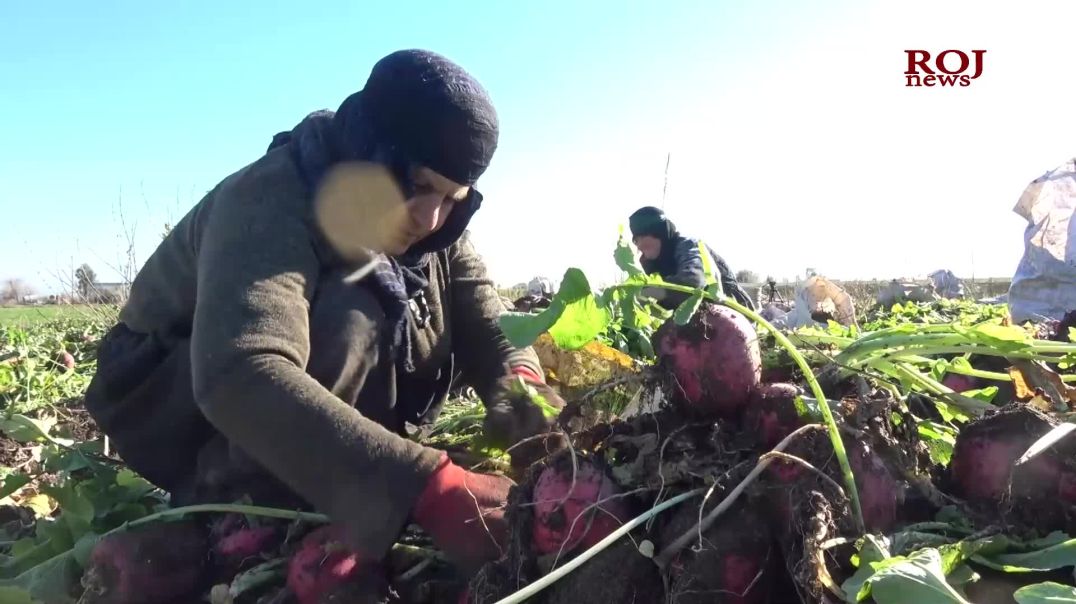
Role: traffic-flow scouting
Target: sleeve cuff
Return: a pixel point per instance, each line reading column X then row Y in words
column 528, row 374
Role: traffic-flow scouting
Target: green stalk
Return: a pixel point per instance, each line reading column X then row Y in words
column 225, row 508
column 812, row 382
column 973, row 372
column 979, row 349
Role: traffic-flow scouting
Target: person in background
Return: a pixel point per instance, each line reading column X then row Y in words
column 246, row 366
column 677, row 259
column 538, row 297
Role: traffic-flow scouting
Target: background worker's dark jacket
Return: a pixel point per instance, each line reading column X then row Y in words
column 220, row 337
column 684, row 266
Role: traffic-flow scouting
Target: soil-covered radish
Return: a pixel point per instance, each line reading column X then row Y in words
column 714, row 358
column 617, row 574
column 881, row 494
column 1037, row 494
column 163, row 562
column 733, row 564
column 771, row 413
column 572, row 511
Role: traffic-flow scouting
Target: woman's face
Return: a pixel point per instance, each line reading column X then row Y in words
column 429, row 206
column 649, row 246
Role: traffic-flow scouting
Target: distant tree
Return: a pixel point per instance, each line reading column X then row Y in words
column 85, row 278
column 14, row 291
column 746, row 276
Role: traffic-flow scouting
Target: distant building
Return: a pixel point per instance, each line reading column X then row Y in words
column 109, row 292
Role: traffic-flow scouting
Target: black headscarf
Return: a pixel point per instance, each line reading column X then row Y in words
column 653, row 222
column 417, row 109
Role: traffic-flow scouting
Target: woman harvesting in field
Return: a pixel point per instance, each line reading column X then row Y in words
column 677, row 258
column 244, row 365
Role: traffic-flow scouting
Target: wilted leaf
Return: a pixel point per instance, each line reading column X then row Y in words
column 1045, row 593
column 1029, row 377
column 41, row 504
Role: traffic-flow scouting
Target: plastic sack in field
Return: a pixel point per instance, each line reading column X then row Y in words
column 946, row 284
column 905, row 291
column 1044, row 286
column 819, row 300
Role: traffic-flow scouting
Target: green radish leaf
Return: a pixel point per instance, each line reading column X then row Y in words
column 50, row 581
column 1059, row 555
column 940, row 441
column 15, row 595
column 257, row 576
column 84, row 547
column 873, row 550
column 916, row 579
column 26, row 430
column 1046, row 593
column 573, row 318
column 625, row 258
column 962, row 575
column 985, row 395
column 687, row 309
column 14, row 483
column 1045, row 442
column 70, row 501
column 523, row 329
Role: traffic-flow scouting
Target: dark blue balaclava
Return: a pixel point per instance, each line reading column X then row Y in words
column 417, row 109
column 653, row 222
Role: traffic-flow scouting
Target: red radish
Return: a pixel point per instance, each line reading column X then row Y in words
column 558, row 503
column 322, row 564
column 1038, row 493
column 982, row 465
column 715, row 359
column 246, row 543
column 771, row 414
column 880, row 493
column 65, row 360
column 162, row 562
column 960, row 383
column 234, row 542
column 733, row 563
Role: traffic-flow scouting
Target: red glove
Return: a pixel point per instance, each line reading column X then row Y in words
column 464, row 514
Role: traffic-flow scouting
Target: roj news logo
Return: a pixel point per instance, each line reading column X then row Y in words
column 947, row 68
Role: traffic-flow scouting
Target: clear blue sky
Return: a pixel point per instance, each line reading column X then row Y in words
column 145, row 106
